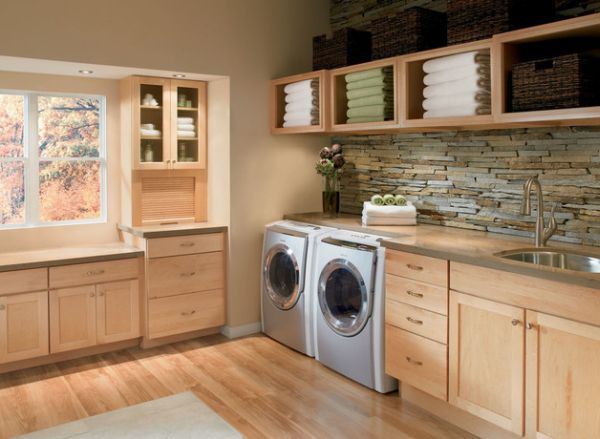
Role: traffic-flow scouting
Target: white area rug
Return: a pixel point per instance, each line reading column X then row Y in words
column 181, row 416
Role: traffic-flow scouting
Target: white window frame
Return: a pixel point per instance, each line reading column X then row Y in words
column 32, row 160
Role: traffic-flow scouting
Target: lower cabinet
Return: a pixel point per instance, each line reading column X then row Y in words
column 563, row 378
column 94, row 314
column 23, row 326
column 486, row 360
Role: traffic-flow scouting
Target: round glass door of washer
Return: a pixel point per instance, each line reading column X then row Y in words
column 282, row 276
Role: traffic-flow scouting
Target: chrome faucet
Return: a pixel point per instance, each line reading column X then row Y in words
column 542, row 234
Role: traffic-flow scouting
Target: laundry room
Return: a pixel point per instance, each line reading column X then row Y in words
column 300, row 218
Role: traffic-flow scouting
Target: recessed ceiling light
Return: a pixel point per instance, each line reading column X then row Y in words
column 86, row 72
column 178, row 75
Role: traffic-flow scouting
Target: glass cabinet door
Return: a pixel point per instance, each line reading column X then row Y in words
column 151, row 123
column 188, row 124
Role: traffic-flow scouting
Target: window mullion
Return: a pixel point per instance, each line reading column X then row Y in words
column 33, row 168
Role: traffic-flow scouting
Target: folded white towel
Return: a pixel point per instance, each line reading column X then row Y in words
column 301, row 122
column 464, row 110
column 384, row 221
column 469, row 84
column 302, row 106
column 300, row 115
column 371, row 210
column 301, row 86
column 185, row 120
column 186, row 126
column 455, row 61
column 457, row 100
column 144, row 132
column 147, row 126
column 302, row 96
column 186, row 133
column 459, row 73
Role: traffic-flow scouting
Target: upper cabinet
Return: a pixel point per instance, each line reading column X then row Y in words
column 167, row 123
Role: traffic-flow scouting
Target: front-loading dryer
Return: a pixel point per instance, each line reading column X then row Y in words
column 287, row 293
column 349, row 321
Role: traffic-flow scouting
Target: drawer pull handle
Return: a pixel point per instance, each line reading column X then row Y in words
column 415, row 362
column 415, row 267
column 187, row 244
column 188, row 313
column 190, row 274
column 92, row 294
column 412, row 293
column 94, row 272
column 415, row 321
column 2, row 307
column 101, row 294
column 515, row 322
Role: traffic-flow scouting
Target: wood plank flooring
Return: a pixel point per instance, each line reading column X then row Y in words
column 260, row 387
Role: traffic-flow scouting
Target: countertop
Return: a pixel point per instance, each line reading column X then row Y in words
column 460, row 245
column 67, row 255
column 166, row 230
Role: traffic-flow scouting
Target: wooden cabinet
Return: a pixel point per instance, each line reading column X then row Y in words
column 166, row 120
column 23, row 326
column 117, row 311
column 563, row 383
column 72, row 318
column 486, row 360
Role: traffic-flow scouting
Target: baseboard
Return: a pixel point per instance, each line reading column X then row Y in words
column 241, row 331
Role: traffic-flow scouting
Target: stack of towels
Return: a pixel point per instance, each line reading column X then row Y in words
column 186, row 128
column 370, row 95
column 457, row 85
column 389, row 210
column 149, row 130
column 301, row 103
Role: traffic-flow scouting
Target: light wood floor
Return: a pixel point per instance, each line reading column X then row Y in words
column 260, row 387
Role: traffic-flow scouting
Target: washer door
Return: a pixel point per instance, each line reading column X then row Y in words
column 343, row 297
column 282, row 276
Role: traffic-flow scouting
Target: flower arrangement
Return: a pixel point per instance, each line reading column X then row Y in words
column 329, row 166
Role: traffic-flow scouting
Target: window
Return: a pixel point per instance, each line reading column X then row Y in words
column 52, row 159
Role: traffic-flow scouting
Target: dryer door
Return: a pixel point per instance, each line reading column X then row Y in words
column 344, row 298
column 282, row 276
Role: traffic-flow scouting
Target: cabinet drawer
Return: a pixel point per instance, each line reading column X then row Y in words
column 417, row 320
column 412, row 292
column 185, row 274
column 95, row 272
column 21, row 281
column 185, row 313
column 185, row 245
column 416, row 361
column 422, row 268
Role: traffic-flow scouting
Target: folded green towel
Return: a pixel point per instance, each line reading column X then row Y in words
column 370, row 82
column 370, row 110
column 389, row 200
column 366, row 74
column 365, row 119
column 369, row 91
column 400, row 200
column 371, row 100
column 377, row 200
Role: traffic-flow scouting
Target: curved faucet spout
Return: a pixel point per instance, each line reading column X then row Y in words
column 542, row 234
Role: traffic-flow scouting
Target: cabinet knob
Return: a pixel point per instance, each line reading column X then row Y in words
column 515, row 322
column 415, row 362
column 101, row 294
column 92, row 294
column 530, row 325
column 2, row 307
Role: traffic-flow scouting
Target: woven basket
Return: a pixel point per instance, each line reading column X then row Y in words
column 470, row 20
column 566, row 81
column 410, row 30
column 347, row 46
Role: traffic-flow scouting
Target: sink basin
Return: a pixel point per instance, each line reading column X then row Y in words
column 555, row 258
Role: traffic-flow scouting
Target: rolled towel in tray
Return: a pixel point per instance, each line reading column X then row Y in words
column 455, row 61
column 440, row 102
column 370, row 82
column 463, row 110
column 301, row 86
column 376, row 200
column 374, row 211
column 465, row 85
column 389, row 200
column 453, row 74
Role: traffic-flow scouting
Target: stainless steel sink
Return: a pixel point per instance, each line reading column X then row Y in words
column 554, row 258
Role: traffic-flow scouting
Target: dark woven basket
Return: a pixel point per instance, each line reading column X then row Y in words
column 410, row 30
column 566, row 81
column 470, row 20
column 347, row 46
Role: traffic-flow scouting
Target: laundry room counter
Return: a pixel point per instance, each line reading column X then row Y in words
column 460, row 245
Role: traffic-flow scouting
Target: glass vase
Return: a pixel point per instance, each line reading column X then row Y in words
column 331, row 195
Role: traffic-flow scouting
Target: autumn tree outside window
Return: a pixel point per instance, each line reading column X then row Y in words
column 52, row 159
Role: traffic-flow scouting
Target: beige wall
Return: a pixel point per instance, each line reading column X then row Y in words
column 251, row 41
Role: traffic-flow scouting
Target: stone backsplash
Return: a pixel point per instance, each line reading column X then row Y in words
column 474, row 179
